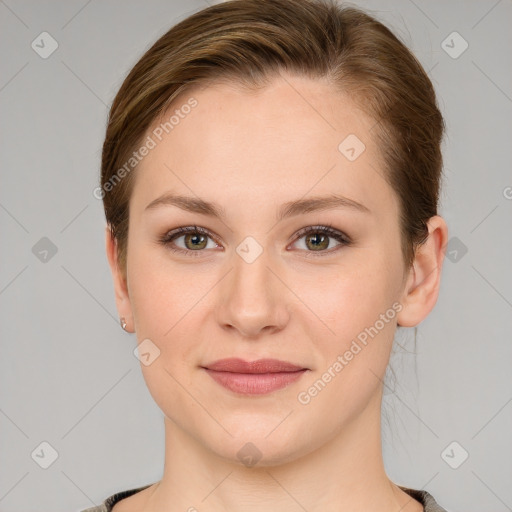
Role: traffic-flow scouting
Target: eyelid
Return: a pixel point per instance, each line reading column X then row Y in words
column 169, row 236
column 326, row 229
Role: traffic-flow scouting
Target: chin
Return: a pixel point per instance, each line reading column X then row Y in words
column 254, row 448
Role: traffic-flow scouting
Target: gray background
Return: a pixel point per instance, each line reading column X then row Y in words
column 68, row 375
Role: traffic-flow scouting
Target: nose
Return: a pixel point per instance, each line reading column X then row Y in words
column 252, row 300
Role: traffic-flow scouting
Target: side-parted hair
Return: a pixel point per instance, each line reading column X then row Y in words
column 248, row 42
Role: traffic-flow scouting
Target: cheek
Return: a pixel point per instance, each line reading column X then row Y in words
column 169, row 305
column 166, row 306
column 352, row 296
column 161, row 294
column 358, row 308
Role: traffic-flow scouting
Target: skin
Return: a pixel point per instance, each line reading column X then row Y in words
column 249, row 153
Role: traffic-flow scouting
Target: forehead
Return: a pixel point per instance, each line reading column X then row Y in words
column 292, row 137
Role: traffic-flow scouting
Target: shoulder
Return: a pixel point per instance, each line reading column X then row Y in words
column 425, row 498
column 109, row 502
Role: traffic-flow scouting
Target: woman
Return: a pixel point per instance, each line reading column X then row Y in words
column 270, row 178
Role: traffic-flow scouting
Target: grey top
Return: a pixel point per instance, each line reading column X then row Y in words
column 426, row 499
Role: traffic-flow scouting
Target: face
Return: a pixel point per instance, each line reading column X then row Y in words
column 301, row 262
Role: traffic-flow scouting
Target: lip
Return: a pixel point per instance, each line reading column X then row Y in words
column 237, row 365
column 254, row 377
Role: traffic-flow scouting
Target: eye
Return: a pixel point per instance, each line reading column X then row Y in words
column 195, row 239
column 318, row 239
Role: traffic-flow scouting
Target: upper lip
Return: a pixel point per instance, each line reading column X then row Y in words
column 237, row 365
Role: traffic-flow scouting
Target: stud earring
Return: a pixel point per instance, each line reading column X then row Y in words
column 123, row 323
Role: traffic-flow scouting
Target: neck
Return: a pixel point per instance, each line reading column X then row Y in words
column 345, row 474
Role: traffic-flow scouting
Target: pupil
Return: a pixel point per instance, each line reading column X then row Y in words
column 319, row 243
column 195, row 239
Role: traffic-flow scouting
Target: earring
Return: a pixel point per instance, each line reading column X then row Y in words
column 123, row 323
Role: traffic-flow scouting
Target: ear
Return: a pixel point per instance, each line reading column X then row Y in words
column 123, row 303
column 422, row 288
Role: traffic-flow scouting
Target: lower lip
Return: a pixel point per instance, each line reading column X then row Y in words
column 254, row 383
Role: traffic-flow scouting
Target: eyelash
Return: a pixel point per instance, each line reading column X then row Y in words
column 327, row 230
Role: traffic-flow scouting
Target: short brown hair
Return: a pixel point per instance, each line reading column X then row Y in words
column 249, row 42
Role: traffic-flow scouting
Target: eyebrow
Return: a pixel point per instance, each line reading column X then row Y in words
column 290, row 209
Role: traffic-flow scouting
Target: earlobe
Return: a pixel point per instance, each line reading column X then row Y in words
column 120, row 286
column 422, row 287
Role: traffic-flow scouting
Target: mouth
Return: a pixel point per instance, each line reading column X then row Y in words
column 254, row 378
